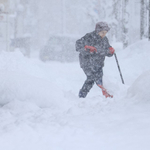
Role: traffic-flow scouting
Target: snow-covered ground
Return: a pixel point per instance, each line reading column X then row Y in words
column 40, row 108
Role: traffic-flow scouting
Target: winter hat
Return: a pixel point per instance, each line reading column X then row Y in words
column 101, row 26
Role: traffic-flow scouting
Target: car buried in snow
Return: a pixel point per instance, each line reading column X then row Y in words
column 59, row 48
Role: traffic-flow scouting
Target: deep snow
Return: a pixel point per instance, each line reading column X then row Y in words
column 40, row 108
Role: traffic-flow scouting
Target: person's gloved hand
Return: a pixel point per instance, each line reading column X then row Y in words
column 111, row 50
column 91, row 48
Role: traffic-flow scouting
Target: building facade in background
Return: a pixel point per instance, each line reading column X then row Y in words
column 4, row 25
column 12, row 29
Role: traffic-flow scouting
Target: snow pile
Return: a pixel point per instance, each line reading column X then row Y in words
column 134, row 60
column 134, row 66
column 136, row 69
column 140, row 88
column 22, row 79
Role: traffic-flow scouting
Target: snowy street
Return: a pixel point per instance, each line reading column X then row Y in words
column 40, row 108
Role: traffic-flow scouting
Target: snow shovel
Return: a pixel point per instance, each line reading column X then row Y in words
column 119, row 68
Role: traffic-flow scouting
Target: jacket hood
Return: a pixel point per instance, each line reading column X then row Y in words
column 101, row 26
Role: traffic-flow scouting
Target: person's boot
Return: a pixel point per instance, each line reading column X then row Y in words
column 82, row 94
column 86, row 87
column 104, row 91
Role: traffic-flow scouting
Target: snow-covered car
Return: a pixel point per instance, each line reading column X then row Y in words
column 59, row 48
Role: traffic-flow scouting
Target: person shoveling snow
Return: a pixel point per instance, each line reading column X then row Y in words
column 93, row 48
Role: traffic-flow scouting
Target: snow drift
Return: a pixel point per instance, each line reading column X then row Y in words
column 140, row 88
column 40, row 108
column 21, row 79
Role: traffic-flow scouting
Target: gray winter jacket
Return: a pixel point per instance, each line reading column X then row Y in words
column 94, row 60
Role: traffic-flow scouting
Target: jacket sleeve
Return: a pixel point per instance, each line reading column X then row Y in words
column 80, row 44
column 107, row 45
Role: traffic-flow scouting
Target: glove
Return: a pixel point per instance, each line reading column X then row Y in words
column 111, row 50
column 91, row 48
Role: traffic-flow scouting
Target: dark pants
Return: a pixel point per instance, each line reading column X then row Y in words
column 93, row 75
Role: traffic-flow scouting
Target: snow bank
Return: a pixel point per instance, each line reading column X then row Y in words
column 140, row 88
column 134, row 60
column 134, row 66
column 23, row 79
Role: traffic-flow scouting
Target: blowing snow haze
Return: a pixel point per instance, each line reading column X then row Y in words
column 40, row 76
